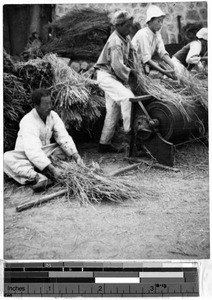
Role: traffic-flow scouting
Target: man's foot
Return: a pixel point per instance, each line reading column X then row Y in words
column 42, row 183
column 104, row 148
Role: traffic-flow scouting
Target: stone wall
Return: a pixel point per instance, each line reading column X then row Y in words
column 189, row 12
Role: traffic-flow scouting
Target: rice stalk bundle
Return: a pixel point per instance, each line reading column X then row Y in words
column 77, row 99
column 74, row 95
column 80, row 34
column 16, row 104
column 192, row 83
column 184, row 95
column 72, row 21
column 9, row 65
column 198, row 88
column 35, row 73
column 87, row 186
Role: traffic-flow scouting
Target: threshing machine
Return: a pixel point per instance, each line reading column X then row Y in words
column 160, row 126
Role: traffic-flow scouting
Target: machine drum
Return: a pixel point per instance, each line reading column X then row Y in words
column 174, row 124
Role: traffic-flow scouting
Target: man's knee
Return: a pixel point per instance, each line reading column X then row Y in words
column 7, row 157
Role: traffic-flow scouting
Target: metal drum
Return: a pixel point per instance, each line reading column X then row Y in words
column 174, row 125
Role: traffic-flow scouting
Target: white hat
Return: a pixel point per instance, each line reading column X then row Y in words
column 153, row 11
column 121, row 16
column 202, row 33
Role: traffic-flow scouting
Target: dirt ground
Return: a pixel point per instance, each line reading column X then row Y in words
column 170, row 219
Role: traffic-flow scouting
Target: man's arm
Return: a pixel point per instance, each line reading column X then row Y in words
column 164, row 55
column 166, row 58
column 155, row 65
column 54, row 172
column 193, row 56
column 64, row 140
column 117, row 63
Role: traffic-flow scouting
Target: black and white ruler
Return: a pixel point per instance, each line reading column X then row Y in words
column 100, row 279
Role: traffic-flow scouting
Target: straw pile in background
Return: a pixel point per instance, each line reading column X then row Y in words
column 8, row 64
column 16, row 105
column 85, row 185
column 80, row 34
column 16, row 101
column 35, row 73
column 76, row 98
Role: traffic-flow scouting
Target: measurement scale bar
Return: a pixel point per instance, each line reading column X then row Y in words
column 101, row 279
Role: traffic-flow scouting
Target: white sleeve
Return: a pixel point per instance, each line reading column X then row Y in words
column 160, row 47
column 194, row 52
column 62, row 136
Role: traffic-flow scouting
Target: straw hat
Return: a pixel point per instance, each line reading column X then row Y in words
column 202, row 33
column 153, row 11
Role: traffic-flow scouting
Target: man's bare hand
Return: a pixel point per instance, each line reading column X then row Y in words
column 55, row 172
column 78, row 160
column 170, row 74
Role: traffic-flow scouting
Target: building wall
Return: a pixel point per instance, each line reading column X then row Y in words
column 189, row 12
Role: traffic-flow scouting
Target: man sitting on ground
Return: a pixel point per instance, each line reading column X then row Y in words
column 30, row 160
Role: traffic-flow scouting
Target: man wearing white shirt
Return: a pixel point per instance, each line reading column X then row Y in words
column 148, row 40
column 192, row 54
column 30, row 158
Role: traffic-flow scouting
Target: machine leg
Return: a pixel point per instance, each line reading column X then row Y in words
column 132, row 151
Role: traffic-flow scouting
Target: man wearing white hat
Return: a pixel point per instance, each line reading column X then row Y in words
column 148, row 40
column 192, row 54
column 113, row 74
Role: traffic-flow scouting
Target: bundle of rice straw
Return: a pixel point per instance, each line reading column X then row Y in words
column 80, row 34
column 192, row 86
column 35, row 73
column 185, row 94
column 9, row 65
column 76, row 98
column 16, row 104
column 86, row 186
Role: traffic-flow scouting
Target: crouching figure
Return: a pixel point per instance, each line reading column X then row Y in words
column 29, row 162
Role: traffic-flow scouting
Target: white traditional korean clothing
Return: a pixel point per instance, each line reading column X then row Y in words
column 33, row 147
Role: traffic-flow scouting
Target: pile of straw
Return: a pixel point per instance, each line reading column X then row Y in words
column 86, row 186
column 190, row 86
column 77, row 99
column 35, row 73
column 8, row 63
column 16, row 104
column 80, row 34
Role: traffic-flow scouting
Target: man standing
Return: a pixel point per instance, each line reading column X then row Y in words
column 30, row 160
column 148, row 41
column 113, row 73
